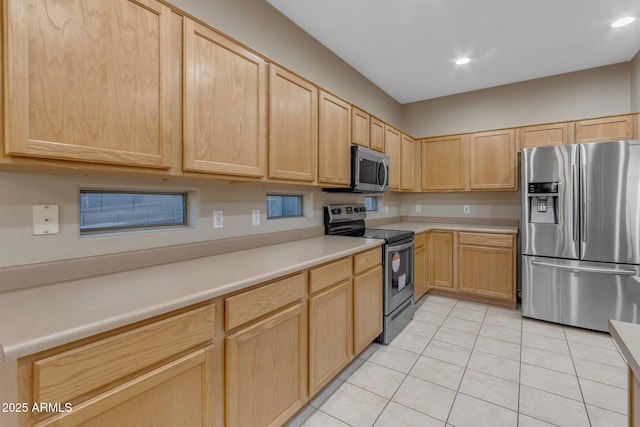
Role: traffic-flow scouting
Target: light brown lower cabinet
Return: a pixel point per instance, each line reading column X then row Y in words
column 178, row 393
column 486, row 264
column 264, row 370
column 442, row 259
column 422, row 263
column 248, row 359
column 330, row 334
column 367, row 308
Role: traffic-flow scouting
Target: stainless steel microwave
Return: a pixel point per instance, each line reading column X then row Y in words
column 369, row 172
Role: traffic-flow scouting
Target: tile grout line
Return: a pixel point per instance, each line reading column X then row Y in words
column 584, row 402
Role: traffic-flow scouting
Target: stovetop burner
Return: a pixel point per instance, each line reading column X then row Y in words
column 348, row 220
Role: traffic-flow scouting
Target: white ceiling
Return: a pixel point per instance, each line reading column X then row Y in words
column 408, row 47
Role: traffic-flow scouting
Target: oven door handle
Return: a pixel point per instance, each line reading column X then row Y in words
column 398, row 248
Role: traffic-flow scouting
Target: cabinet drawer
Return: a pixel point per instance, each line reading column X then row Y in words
column 418, row 240
column 72, row 373
column 486, row 239
column 327, row 275
column 366, row 260
column 247, row 306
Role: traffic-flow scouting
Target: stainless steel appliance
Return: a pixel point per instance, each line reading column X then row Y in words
column 397, row 263
column 369, row 172
column 581, row 233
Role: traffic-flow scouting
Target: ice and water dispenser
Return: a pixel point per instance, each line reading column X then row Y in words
column 543, row 202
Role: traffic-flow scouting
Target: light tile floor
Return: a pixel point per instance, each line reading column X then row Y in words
column 462, row 364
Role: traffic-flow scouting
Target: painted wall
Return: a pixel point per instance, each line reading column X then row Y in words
column 263, row 28
column 19, row 191
column 591, row 93
column 494, row 205
column 635, row 83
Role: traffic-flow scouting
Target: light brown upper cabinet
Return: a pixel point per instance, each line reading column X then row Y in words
column 293, row 126
column 225, row 105
column 492, row 160
column 443, row 163
column 544, row 135
column 334, row 140
column 607, row 129
column 376, row 135
column 89, row 84
column 407, row 164
column 360, row 127
column 392, row 144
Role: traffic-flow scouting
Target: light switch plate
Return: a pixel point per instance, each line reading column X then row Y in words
column 218, row 219
column 45, row 220
column 418, row 208
column 255, row 217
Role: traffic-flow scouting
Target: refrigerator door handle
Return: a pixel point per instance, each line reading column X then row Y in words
column 583, row 196
column 575, row 218
column 586, row 269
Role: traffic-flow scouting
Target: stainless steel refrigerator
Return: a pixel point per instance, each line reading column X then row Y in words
column 581, row 233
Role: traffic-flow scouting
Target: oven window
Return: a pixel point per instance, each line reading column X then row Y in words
column 400, row 270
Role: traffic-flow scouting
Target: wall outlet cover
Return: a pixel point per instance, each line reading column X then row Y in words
column 45, row 220
column 466, row 209
column 418, row 208
column 218, row 219
column 255, row 217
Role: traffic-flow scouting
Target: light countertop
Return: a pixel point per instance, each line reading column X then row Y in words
column 36, row 319
column 627, row 336
column 420, row 227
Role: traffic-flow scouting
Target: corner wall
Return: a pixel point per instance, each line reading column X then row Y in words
column 596, row 92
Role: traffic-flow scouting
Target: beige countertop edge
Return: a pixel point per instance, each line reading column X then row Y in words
column 627, row 336
column 420, row 227
column 36, row 319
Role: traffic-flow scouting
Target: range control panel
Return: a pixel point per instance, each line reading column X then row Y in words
column 345, row 212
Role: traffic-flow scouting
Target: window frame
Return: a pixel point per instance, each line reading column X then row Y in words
column 301, row 197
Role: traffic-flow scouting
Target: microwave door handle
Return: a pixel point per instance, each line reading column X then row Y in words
column 385, row 168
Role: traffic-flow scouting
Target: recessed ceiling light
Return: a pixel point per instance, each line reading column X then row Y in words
column 462, row 61
column 623, row 21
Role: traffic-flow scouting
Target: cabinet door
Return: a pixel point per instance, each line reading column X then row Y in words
column 545, row 135
column 178, row 393
column 376, row 135
column 225, row 111
column 392, row 144
column 293, row 132
column 360, row 127
column 486, row 271
column 367, row 308
column 443, row 163
column 265, row 370
column 90, row 81
column 420, row 273
column 330, row 334
column 492, row 160
column 407, row 163
column 334, row 140
column 442, row 259
column 606, row 129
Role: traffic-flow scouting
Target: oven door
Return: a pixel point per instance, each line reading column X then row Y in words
column 398, row 280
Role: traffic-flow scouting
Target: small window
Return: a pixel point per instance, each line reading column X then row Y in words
column 114, row 211
column 279, row 206
column 371, row 203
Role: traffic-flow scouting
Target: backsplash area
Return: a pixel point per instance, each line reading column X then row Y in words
column 19, row 191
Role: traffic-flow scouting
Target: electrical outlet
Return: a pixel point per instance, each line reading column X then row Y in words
column 386, row 209
column 418, row 208
column 466, row 209
column 45, row 219
column 255, row 217
column 218, row 219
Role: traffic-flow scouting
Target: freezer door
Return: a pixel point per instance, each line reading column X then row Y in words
column 589, row 293
column 610, row 211
column 541, row 291
column 559, row 237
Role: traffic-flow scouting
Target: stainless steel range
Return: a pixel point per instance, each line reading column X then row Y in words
column 397, row 263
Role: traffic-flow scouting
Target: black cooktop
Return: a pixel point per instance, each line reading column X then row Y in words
column 390, row 236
